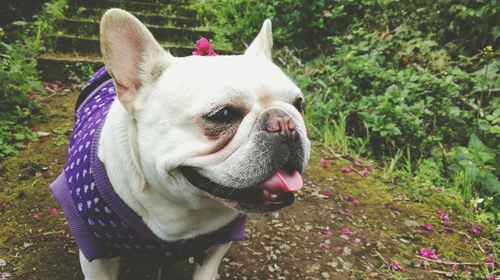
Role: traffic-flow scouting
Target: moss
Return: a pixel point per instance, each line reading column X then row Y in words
column 386, row 207
column 32, row 246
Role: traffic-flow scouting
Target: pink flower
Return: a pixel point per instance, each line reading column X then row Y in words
column 355, row 241
column 395, row 266
column 323, row 163
column 53, row 211
column 348, row 197
column 358, row 161
column 369, row 167
column 345, row 169
column 490, row 260
column 339, row 250
column 36, row 216
column 444, row 217
column 345, row 231
column 427, row 227
column 491, row 277
column 324, row 245
column 475, row 230
column 204, row 48
column 454, row 267
column 364, row 172
column 327, row 233
column 355, row 202
column 429, row 253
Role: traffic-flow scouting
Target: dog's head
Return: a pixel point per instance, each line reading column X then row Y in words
column 231, row 126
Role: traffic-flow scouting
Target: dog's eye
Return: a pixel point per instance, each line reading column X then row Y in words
column 225, row 115
column 299, row 104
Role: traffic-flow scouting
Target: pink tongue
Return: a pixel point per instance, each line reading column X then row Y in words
column 286, row 182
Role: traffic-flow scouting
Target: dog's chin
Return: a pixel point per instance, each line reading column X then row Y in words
column 253, row 199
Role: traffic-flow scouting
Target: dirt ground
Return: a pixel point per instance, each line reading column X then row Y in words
column 342, row 225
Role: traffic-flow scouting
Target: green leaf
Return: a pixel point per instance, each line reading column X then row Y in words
column 475, row 143
column 489, row 184
column 484, row 125
column 19, row 136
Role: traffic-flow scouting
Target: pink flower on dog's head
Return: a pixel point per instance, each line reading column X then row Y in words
column 204, row 48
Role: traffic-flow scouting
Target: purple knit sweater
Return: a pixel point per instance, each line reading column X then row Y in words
column 102, row 224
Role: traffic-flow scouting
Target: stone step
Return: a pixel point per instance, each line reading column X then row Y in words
column 178, row 35
column 55, row 66
column 157, row 1
column 90, row 46
column 153, row 19
column 75, row 44
column 144, row 7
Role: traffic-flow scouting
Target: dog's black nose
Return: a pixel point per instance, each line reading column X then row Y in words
column 276, row 121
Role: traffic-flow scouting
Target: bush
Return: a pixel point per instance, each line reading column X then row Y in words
column 464, row 26
column 402, row 91
column 20, row 80
column 390, row 76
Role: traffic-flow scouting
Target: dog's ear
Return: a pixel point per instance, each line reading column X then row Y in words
column 132, row 56
column 263, row 43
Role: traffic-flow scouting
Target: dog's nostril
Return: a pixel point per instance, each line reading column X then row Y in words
column 274, row 125
column 291, row 124
column 283, row 125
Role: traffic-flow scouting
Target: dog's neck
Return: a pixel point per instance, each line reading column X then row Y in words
column 170, row 210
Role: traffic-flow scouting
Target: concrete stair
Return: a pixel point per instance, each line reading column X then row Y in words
column 147, row 18
column 74, row 45
column 143, row 6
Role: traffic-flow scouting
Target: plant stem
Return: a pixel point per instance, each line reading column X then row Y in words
column 446, row 262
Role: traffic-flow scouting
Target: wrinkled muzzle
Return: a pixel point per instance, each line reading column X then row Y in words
column 267, row 176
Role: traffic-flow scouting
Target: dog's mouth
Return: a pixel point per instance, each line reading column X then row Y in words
column 270, row 195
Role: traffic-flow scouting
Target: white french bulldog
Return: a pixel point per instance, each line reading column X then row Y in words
column 195, row 141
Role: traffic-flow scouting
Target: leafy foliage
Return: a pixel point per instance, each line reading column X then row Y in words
column 464, row 26
column 20, row 80
column 414, row 80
